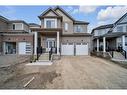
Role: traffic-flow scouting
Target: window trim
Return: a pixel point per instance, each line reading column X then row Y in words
column 76, row 29
column 66, row 26
column 45, row 22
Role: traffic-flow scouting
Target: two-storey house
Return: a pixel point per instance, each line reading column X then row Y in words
column 63, row 33
column 112, row 37
column 15, row 37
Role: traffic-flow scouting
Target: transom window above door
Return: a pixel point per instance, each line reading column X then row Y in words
column 50, row 23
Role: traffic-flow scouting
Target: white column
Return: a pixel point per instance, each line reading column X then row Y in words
column 58, row 41
column 4, row 48
column 97, row 45
column 35, row 43
column 123, row 42
column 104, row 44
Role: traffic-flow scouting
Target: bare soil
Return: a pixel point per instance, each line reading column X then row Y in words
column 71, row 72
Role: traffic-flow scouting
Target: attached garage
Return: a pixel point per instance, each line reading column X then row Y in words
column 74, row 49
column 67, row 49
column 81, row 49
column 24, row 48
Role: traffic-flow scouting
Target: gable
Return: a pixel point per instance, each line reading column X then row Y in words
column 65, row 17
column 50, row 13
column 124, row 20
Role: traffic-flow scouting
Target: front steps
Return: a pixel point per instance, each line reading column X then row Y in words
column 44, row 57
column 118, row 55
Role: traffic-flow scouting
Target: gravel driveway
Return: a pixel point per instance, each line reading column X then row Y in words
column 85, row 72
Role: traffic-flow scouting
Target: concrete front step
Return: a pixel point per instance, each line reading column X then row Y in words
column 119, row 56
column 40, row 63
column 44, row 57
column 122, row 60
column 42, row 60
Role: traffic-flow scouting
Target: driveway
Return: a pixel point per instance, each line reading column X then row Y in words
column 85, row 72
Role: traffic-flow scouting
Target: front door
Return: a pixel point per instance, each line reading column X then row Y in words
column 50, row 43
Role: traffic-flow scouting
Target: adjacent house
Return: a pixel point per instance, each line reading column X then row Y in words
column 62, row 33
column 112, row 37
column 15, row 37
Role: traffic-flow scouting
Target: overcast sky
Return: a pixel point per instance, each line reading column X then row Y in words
column 95, row 15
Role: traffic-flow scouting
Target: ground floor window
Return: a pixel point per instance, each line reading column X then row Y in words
column 10, row 48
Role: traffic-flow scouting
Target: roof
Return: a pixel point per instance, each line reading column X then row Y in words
column 77, row 34
column 3, row 18
column 34, row 24
column 103, row 27
column 80, row 22
column 121, row 18
column 19, row 21
column 45, row 12
column 59, row 8
column 118, row 21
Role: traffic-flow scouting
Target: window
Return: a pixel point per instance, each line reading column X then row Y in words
column 66, row 26
column 120, row 29
column 125, row 41
column 50, row 23
column 13, row 26
column 126, row 28
column 78, row 28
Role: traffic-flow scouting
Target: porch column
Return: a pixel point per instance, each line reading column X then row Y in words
column 97, row 45
column 123, row 42
column 35, row 42
column 104, row 44
column 58, row 41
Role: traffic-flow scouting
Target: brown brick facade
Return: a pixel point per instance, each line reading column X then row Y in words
column 19, row 38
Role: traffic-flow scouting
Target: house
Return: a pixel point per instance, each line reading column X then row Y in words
column 58, row 32
column 111, row 37
column 15, row 37
column 61, row 32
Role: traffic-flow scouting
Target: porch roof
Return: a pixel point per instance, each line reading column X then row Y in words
column 46, row 29
column 111, row 35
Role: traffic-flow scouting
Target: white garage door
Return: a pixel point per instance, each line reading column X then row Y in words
column 22, row 47
column 81, row 49
column 67, row 49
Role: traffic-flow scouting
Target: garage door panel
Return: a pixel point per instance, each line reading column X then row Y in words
column 22, row 47
column 82, row 49
column 67, row 49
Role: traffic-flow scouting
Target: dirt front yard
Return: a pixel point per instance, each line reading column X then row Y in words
column 71, row 72
column 87, row 72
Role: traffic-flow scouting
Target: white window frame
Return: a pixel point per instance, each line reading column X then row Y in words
column 66, row 26
column 45, row 21
column 81, row 29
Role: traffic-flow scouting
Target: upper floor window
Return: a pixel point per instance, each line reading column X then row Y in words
column 50, row 23
column 66, row 26
column 13, row 26
column 78, row 28
column 126, row 28
column 120, row 29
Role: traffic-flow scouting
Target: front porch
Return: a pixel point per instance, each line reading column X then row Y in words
column 115, row 46
column 47, row 42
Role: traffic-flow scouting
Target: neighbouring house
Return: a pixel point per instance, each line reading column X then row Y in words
column 111, row 37
column 15, row 37
column 62, row 33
